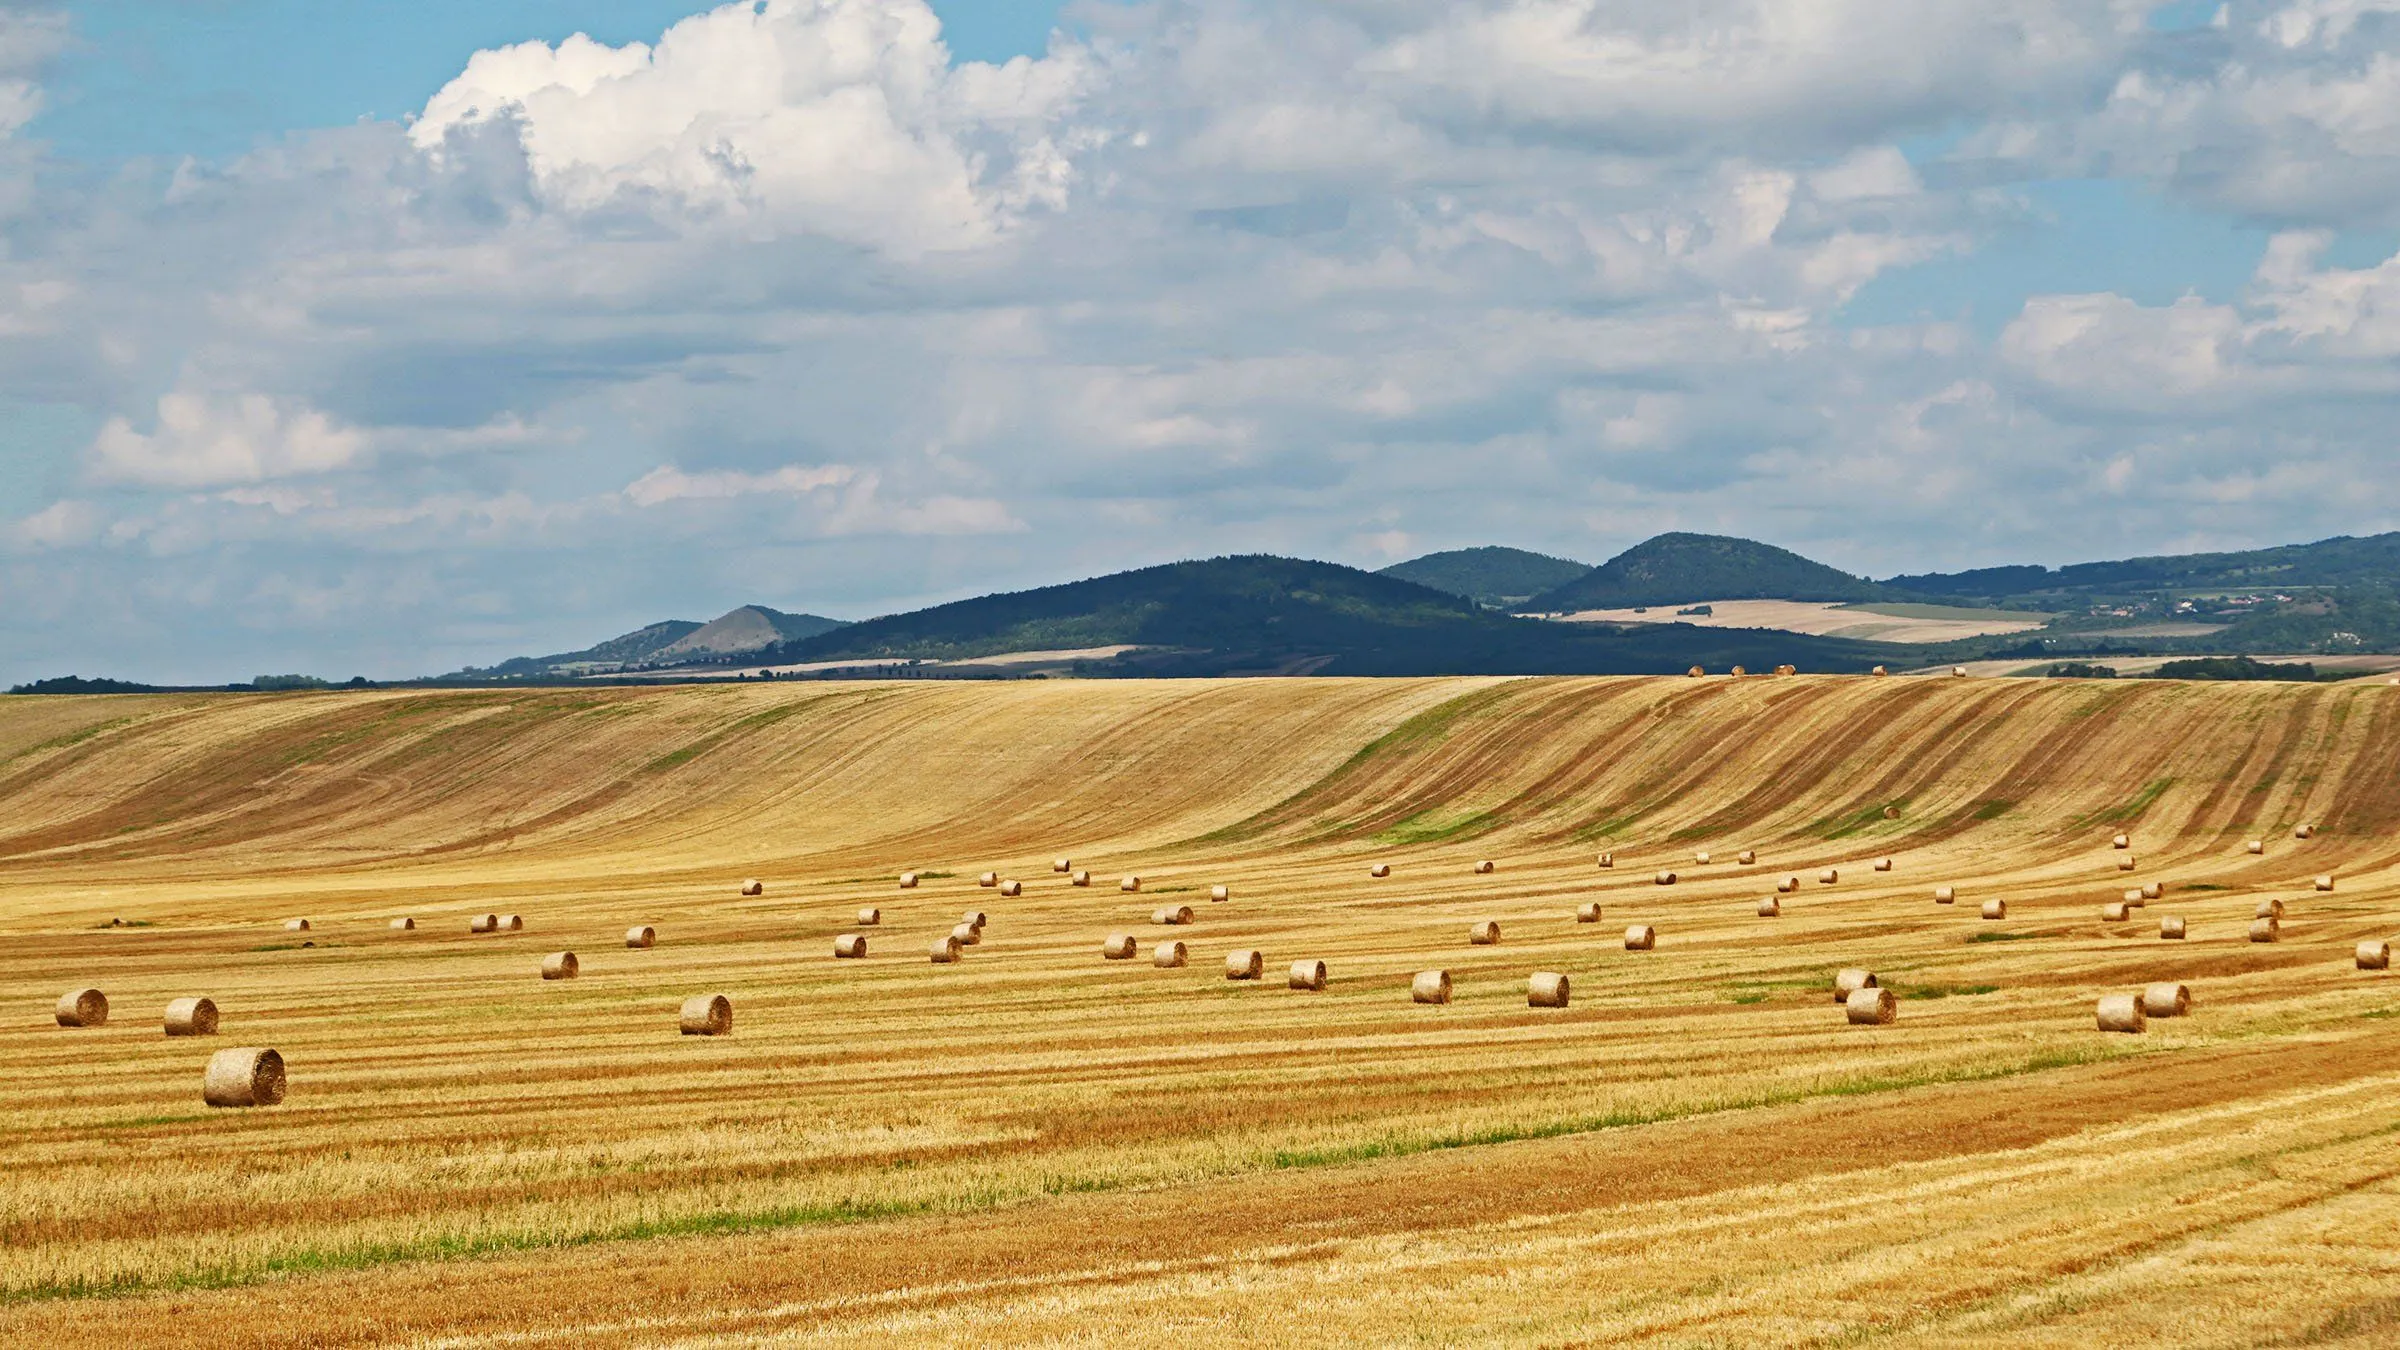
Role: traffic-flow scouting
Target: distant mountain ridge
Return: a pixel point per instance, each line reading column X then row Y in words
column 1684, row 569
column 1492, row 576
column 2338, row 561
column 745, row 628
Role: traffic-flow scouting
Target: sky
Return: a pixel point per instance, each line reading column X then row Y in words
column 383, row 339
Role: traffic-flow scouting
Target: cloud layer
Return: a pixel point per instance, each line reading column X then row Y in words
column 787, row 305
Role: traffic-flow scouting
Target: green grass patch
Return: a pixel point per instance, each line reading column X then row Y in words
column 2381, row 1014
column 2202, row 886
column 1999, row 937
column 1436, row 826
column 1992, row 809
column 1753, row 996
column 1923, row 991
column 1865, row 817
column 935, row 876
column 2118, row 815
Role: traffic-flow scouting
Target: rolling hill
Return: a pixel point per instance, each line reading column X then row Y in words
column 1263, row 614
column 2339, row 561
column 1491, row 576
column 747, row 628
column 1683, row 569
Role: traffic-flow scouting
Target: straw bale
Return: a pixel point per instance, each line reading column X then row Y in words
column 1695, row 672
column 2256, row 846
column 1129, row 885
column 1995, row 909
column 1244, row 965
column 295, row 925
column 1220, row 894
column 561, row 966
column 2266, row 930
column 1665, row 878
column 1850, row 981
column 1430, row 986
column 2374, row 954
column 870, row 917
column 707, row 1015
column 2268, row 909
column 1308, row 975
column 1588, row 912
column 1880, row 671
column 1547, row 989
column 2170, row 927
column 2325, row 883
column 1012, row 888
column 1485, row 933
column 946, row 948
column 1081, row 879
column 908, row 881
column 1061, row 865
column 1891, row 813
column 1787, row 670
column 1883, row 864
column 1608, row 860
column 2115, row 911
column 2152, row 890
column 83, row 1008
column 1483, row 867
column 1700, row 859
column 1169, row 955
column 2121, row 841
column 1770, row 908
column 2304, row 832
column 1741, row 670
column 2121, row 1012
column 2166, row 1000
column 484, row 923
column 249, row 1076
column 1787, row 886
column 404, row 925
column 641, row 936
column 1380, row 870
column 1746, row 857
column 512, row 923
column 1945, row 895
column 2125, row 864
column 1829, row 876
column 1119, row 947
column 1958, row 672
column 1871, row 1007
column 975, row 919
column 968, row 935
column 753, row 886
column 192, row 1017
column 988, row 879
column 850, row 946
column 1641, row 937
column 1171, row 914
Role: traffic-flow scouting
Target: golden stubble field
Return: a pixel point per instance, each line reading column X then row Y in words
column 1039, row 1145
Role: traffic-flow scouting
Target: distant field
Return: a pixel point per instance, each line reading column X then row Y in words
column 1877, row 622
column 1037, row 1145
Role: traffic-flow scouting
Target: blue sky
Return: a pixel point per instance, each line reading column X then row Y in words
column 381, row 338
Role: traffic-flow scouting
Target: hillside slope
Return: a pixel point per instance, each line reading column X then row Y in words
column 1492, row 575
column 1682, row 569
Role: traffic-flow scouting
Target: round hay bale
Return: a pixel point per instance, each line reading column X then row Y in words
column 1547, row 989
column 1485, row 933
column 988, row 879
column 1665, row 878
column 1641, row 937
column 850, row 947
column 1891, row 813
column 1483, row 867
column 1244, row 965
column 1787, row 886
column 1995, row 909
column 1829, row 876
column 707, row 1015
column 1958, row 672
column 295, row 925
column 2325, row 883
column 1588, row 912
column 975, row 919
column 2121, row 841
column 1309, row 975
column 1061, row 865
column 1945, row 895
column 2268, row 909
column 1787, row 670
column 1081, row 879
column 2170, row 928
column 1119, row 947
column 2266, row 930
column 753, row 886
column 2132, row 898
column 2374, row 954
column 1871, row 1007
column 945, row 949
column 83, row 1008
column 641, row 937
column 249, row 1076
column 512, row 923
column 1430, row 986
column 1171, row 914
column 1700, row 859
column 1746, row 857
column 1770, row 908
column 968, row 935
column 2166, row 1000
column 2256, row 846
column 1883, row 864
column 1012, row 888
column 561, row 966
column 1850, row 981
column 2121, row 1012
column 2115, row 911
column 870, row 917
column 2152, row 890
column 1380, row 870
column 1740, row 671
column 2304, row 832
column 1129, row 885
column 1169, row 955
column 1695, row 673
column 484, row 923
column 2125, row 864
column 908, row 881
column 1608, row 860
column 192, row 1017
column 1218, row 895
column 404, row 925
column 1879, row 671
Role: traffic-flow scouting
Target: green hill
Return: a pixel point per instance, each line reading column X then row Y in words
column 1493, row 576
column 2340, row 561
column 1684, row 569
column 1258, row 614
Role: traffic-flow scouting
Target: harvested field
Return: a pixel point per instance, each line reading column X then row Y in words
column 1035, row 1143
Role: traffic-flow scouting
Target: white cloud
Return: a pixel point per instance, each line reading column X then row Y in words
column 667, row 483
column 206, row 439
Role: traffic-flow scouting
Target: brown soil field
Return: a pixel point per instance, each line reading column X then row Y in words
column 1865, row 622
column 1037, row 1145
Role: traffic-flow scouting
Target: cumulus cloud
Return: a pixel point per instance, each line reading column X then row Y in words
column 202, row 440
